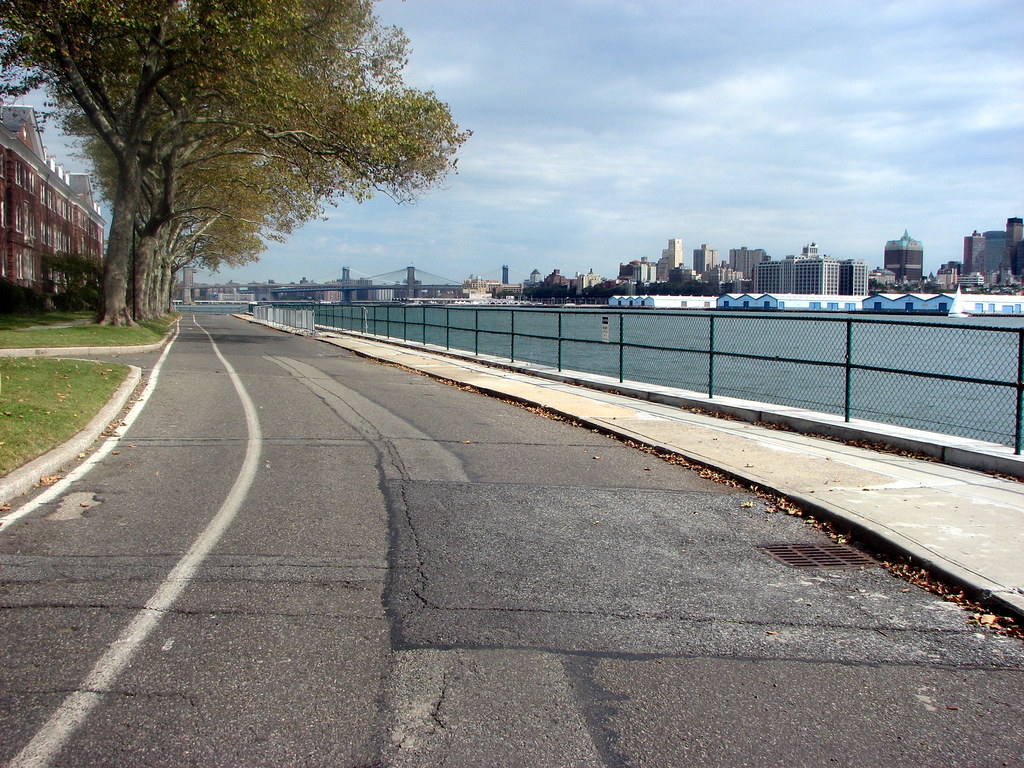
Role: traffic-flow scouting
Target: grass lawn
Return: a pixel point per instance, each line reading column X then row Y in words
column 17, row 332
column 45, row 401
column 17, row 322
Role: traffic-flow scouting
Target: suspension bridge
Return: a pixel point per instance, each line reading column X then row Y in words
column 400, row 285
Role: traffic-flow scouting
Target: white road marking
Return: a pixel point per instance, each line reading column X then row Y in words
column 55, row 733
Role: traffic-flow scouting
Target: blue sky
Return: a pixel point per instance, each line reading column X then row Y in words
column 602, row 128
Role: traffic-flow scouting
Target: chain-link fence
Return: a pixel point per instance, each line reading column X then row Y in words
column 955, row 378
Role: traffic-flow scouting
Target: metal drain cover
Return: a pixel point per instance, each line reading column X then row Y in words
column 818, row 555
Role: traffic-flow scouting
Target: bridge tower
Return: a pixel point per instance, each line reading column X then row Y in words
column 410, row 281
column 345, row 274
column 504, row 274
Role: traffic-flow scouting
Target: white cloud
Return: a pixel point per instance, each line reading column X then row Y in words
column 604, row 127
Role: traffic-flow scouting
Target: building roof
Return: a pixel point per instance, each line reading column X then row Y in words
column 904, row 243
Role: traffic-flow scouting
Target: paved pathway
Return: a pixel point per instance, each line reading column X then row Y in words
column 298, row 557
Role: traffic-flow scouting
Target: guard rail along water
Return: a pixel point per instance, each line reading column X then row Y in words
column 301, row 317
column 956, row 377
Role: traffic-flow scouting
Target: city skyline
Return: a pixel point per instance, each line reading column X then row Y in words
column 602, row 129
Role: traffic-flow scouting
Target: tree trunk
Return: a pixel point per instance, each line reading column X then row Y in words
column 114, row 309
column 142, row 277
column 166, row 286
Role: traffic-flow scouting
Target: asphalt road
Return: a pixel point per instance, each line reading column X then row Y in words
column 297, row 557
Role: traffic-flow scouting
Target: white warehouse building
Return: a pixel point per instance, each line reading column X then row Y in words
column 955, row 304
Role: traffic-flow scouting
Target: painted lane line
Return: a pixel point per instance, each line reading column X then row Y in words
column 62, row 485
column 55, row 733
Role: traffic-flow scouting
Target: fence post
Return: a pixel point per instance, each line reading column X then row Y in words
column 849, row 370
column 559, row 341
column 622, row 350
column 447, row 327
column 476, row 331
column 512, row 339
column 1018, row 442
column 711, row 356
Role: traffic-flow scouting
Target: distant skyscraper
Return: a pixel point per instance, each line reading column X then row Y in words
column 974, row 253
column 774, row 276
column 745, row 259
column 1014, row 235
column 905, row 258
column 815, row 274
column 671, row 258
column 812, row 273
column 704, row 258
column 645, row 271
column 995, row 248
column 853, row 277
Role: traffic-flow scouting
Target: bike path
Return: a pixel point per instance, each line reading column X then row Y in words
column 964, row 525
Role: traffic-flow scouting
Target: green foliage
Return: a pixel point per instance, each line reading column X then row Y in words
column 216, row 123
column 547, row 292
column 75, row 280
column 15, row 299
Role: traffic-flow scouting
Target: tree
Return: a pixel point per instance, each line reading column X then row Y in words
column 178, row 92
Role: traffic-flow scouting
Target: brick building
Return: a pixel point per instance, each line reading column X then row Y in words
column 43, row 209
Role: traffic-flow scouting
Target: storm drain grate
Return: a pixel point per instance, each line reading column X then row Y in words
column 818, row 555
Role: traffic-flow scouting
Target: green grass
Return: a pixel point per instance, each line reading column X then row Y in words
column 18, row 322
column 88, row 335
column 46, row 401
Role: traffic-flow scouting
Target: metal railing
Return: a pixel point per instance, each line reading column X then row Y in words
column 957, row 378
column 301, row 317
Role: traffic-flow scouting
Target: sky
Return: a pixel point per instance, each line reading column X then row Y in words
column 604, row 128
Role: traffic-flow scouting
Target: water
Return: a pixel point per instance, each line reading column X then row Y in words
column 211, row 309
column 951, row 375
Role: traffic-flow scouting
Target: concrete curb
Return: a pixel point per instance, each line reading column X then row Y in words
column 875, row 535
column 26, row 477
column 82, row 351
column 89, row 351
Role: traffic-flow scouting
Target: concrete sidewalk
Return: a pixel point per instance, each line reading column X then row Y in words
column 963, row 525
